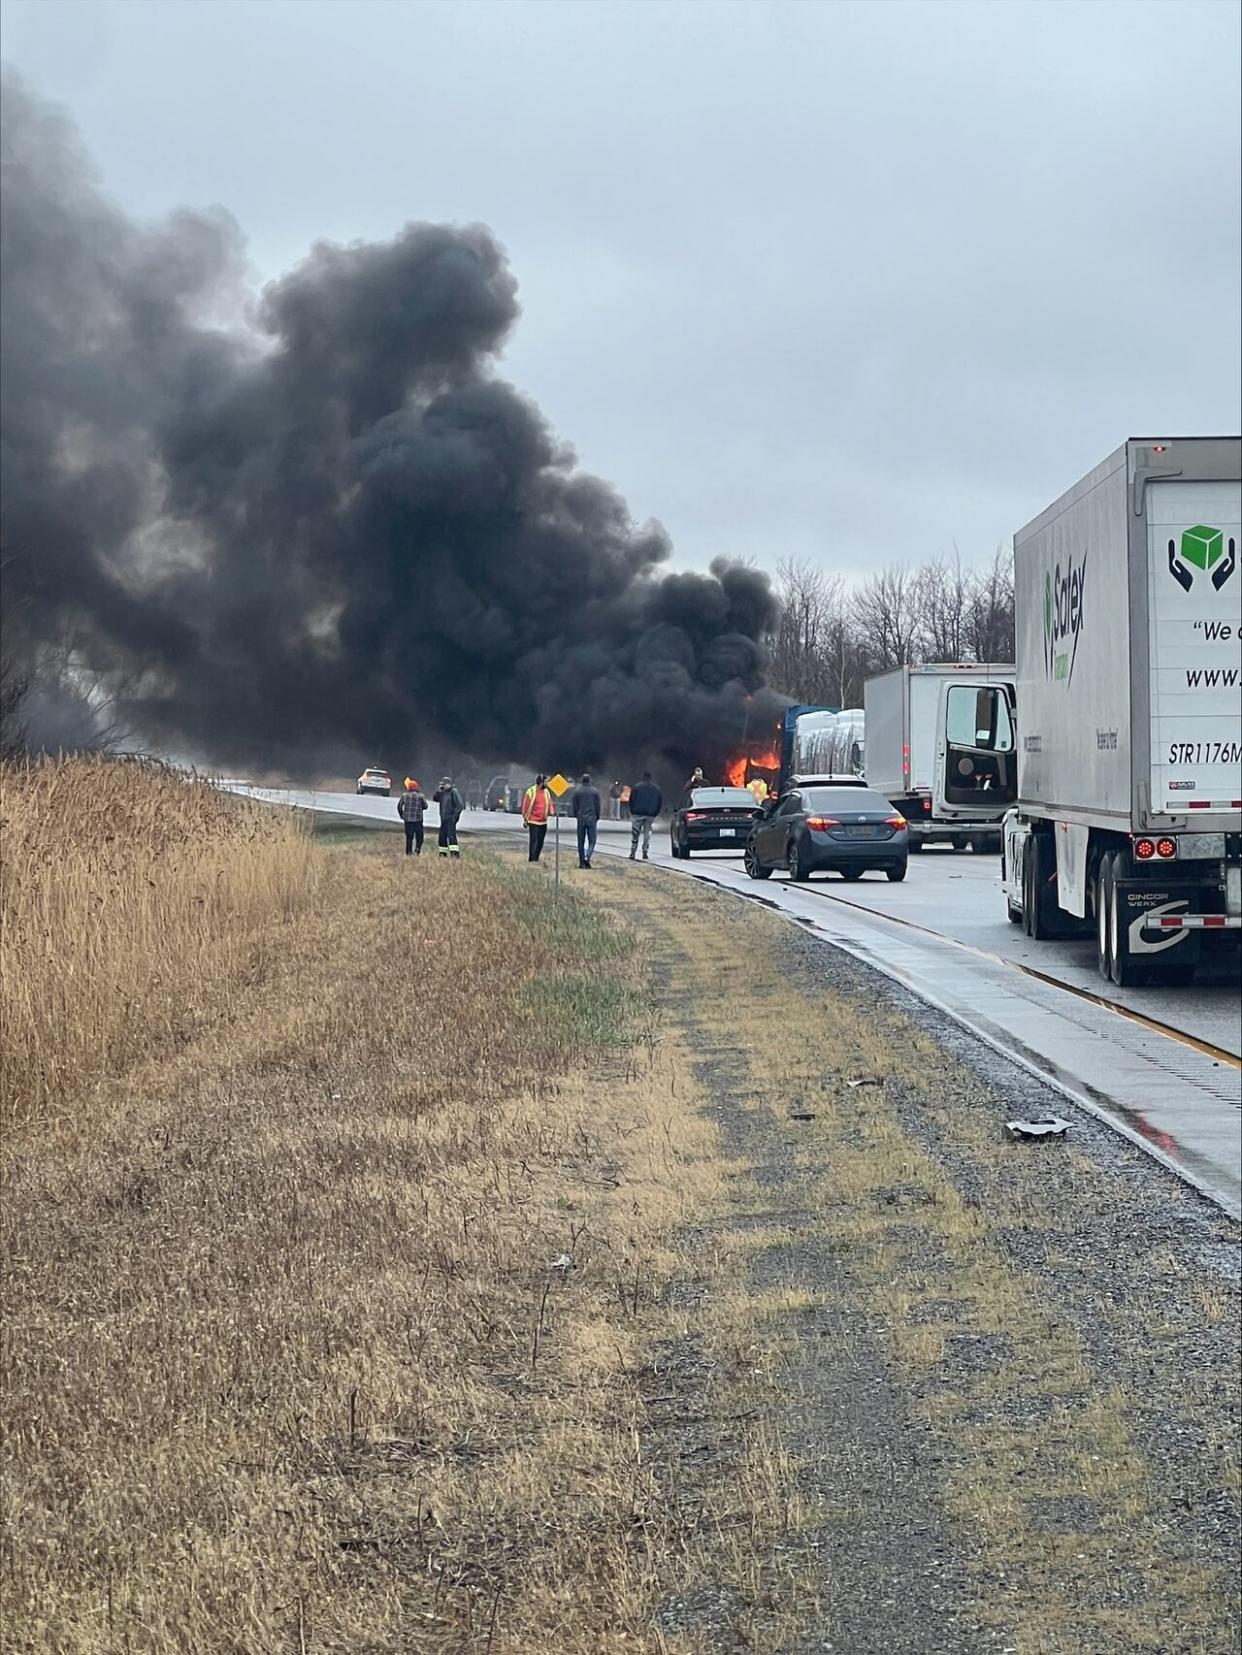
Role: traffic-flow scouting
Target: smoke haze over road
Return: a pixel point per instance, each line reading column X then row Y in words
column 314, row 520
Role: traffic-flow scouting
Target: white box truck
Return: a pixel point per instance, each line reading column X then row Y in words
column 1128, row 602
column 930, row 755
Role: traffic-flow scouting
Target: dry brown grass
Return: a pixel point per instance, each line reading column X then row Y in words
column 287, row 1360
column 131, row 899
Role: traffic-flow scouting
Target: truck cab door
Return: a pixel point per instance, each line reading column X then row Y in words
column 976, row 774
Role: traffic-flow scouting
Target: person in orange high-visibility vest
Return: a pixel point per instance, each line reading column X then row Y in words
column 537, row 808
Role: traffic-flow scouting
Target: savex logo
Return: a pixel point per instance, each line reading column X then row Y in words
column 1202, row 548
column 1063, row 618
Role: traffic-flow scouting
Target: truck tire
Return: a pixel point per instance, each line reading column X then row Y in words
column 1103, row 918
column 1034, row 886
column 1015, row 914
column 1124, row 969
column 916, row 845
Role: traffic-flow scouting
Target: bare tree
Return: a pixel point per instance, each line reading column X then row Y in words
column 885, row 612
column 828, row 641
column 942, row 597
column 810, row 602
column 989, row 631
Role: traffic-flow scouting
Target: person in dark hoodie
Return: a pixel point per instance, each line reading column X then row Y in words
column 586, row 806
column 646, row 803
column 451, row 806
column 411, row 807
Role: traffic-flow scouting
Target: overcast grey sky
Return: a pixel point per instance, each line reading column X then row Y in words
column 854, row 281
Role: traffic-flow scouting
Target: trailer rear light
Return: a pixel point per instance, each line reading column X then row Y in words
column 927, row 807
column 905, row 759
column 895, row 821
column 822, row 822
column 1144, row 849
column 1166, row 847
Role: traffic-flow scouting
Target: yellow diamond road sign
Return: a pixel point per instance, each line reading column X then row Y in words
column 558, row 784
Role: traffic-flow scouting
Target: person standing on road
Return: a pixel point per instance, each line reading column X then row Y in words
column 586, row 807
column 451, row 806
column 614, row 802
column 646, row 803
column 411, row 807
column 626, row 790
column 537, row 808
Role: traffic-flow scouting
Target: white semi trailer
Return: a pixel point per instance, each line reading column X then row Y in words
column 940, row 746
column 1128, row 604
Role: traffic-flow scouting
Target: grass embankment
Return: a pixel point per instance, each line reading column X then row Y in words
column 317, row 1333
column 132, row 902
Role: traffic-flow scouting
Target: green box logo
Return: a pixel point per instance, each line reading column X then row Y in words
column 1202, row 547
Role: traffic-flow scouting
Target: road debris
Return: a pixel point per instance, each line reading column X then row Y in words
column 1048, row 1126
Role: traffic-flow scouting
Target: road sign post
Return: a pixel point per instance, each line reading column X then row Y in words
column 559, row 786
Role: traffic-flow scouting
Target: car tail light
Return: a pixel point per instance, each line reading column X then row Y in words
column 1144, row 849
column 1166, row 847
column 895, row 821
column 822, row 822
column 695, row 815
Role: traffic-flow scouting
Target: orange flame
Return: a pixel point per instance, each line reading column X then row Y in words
column 741, row 770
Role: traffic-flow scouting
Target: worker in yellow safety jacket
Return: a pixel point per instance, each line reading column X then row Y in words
column 758, row 787
column 538, row 807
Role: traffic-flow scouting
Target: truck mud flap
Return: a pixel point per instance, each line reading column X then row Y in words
column 1140, row 909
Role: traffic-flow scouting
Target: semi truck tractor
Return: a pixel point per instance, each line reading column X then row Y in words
column 940, row 747
column 1128, row 602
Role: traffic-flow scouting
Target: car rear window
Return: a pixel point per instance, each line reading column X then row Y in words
column 824, row 800
column 737, row 798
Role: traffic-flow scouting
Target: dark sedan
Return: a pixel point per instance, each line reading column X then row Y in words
column 713, row 818
column 848, row 830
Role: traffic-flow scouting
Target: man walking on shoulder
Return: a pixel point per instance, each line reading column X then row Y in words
column 586, row 807
column 646, row 803
column 451, row 806
column 537, row 808
column 411, row 807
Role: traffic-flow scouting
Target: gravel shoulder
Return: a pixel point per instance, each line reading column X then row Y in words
column 995, row 1384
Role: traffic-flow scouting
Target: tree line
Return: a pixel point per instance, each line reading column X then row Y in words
column 831, row 638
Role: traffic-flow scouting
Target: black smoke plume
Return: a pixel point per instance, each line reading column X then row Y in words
column 315, row 521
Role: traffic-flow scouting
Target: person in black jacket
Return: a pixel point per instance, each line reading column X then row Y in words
column 587, row 807
column 646, row 803
column 451, row 806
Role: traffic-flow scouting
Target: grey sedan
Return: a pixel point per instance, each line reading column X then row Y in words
column 845, row 830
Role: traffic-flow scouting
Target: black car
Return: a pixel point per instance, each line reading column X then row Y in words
column 848, row 830
column 713, row 818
